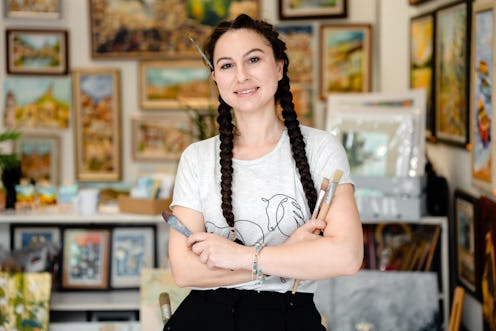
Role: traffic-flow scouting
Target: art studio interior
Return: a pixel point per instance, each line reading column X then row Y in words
column 100, row 98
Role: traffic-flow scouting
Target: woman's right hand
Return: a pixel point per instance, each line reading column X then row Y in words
column 307, row 231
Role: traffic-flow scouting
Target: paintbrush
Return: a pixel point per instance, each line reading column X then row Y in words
column 324, row 207
column 205, row 58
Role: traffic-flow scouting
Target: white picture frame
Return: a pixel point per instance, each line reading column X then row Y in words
column 411, row 103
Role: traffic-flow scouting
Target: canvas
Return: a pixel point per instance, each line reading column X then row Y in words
column 154, row 282
column 28, row 295
column 376, row 300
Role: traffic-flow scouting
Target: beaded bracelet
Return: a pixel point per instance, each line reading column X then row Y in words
column 256, row 272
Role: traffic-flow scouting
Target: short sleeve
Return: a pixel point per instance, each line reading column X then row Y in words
column 186, row 187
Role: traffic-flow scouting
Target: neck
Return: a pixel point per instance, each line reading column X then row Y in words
column 255, row 132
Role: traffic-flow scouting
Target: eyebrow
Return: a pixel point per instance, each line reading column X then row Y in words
column 244, row 55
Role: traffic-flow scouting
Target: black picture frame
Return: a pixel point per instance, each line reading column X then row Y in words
column 467, row 248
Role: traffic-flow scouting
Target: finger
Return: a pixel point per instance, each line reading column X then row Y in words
column 204, row 257
column 197, row 248
column 195, row 238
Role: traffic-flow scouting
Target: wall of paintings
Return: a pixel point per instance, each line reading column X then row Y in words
column 92, row 58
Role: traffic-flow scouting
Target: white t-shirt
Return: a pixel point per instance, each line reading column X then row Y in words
column 268, row 199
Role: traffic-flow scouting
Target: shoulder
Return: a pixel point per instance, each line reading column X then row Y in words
column 317, row 138
column 201, row 149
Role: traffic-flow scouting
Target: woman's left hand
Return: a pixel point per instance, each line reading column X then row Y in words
column 218, row 252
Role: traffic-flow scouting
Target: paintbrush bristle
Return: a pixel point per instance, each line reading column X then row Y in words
column 337, row 175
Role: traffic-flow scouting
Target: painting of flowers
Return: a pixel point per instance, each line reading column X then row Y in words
column 24, row 301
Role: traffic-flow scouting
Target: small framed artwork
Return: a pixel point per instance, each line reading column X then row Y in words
column 40, row 157
column 24, row 236
column 452, row 73
column 422, row 65
column 40, row 9
column 488, row 279
column 417, row 2
column 157, row 30
column 85, row 261
column 133, row 249
column 293, row 10
column 466, row 216
column 345, row 58
column 482, row 115
column 37, row 103
column 298, row 39
column 175, row 85
column 161, row 137
column 37, row 52
column 97, row 112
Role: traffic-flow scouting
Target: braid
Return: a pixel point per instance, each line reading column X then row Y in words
column 224, row 119
column 296, row 140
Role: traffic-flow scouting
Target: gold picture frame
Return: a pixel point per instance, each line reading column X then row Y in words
column 155, row 29
column 345, row 46
column 176, row 85
column 97, row 124
column 161, row 137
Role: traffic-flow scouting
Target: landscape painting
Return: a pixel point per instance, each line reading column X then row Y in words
column 37, row 103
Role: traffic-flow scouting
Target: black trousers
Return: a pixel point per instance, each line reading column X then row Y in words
column 243, row 310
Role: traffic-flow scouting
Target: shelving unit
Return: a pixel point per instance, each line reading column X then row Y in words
column 79, row 305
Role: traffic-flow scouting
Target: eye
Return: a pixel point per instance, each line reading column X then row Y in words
column 226, row 66
column 254, row 59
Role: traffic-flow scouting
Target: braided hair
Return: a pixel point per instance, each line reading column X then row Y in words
column 283, row 96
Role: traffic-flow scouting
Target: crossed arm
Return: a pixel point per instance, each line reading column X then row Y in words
column 208, row 260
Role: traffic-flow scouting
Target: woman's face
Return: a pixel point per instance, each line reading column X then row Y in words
column 246, row 71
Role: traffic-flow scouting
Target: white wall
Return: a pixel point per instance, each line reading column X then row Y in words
column 390, row 19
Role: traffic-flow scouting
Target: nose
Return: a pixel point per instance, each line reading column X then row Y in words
column 241, row 73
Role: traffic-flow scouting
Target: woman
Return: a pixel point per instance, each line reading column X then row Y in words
column 248, row 195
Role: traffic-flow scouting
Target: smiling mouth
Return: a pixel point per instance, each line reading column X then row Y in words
column 248, row 91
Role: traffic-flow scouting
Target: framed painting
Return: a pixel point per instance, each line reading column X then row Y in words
column 488, row 262
column 44, row 9
column 156, row 29
column 85, row 258
column 410, row 103
column 24, row 236
column 481, row 96
column 466, row 218
column 40, row 157
column 374, row 141
column 37, row 103
column 345, row 58
column 175, row 85
column 37, row 52
column 133, row 249
column 161, row 137
column 452, row 73
column 97, row 124
column 417, row 2
column 421, row 65
column 293, row 10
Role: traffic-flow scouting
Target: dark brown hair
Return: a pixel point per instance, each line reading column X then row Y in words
column 283, row 96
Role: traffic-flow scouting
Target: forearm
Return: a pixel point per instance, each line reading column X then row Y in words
column 315, row 259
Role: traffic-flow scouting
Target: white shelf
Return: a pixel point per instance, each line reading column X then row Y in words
column 95, row 300
column 56, row 217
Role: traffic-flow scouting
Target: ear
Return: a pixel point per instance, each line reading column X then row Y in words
column 212, row 74
column 280, row 66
